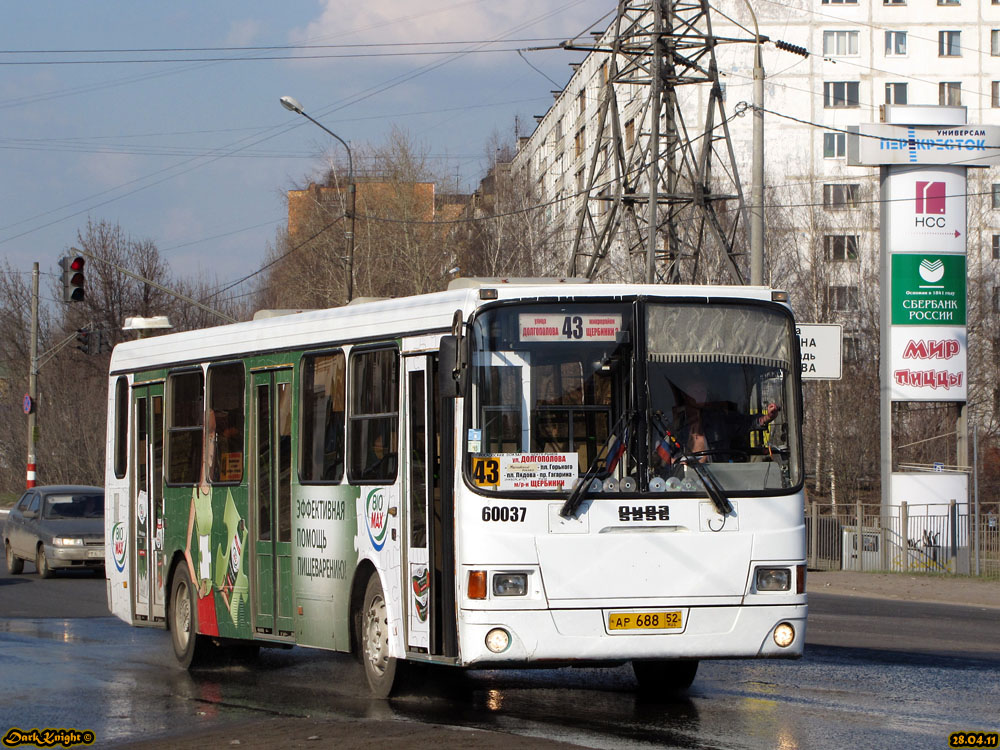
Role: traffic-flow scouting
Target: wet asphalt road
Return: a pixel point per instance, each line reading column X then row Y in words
column 876, row 674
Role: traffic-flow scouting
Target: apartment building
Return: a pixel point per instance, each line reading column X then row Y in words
column 863, row 54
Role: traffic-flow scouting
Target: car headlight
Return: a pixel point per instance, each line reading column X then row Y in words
column 510, row 584
column 774, row 579
column 67, row 541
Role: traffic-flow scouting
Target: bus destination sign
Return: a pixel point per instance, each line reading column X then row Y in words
column 574, row 327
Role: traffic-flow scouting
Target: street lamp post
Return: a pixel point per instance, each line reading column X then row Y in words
column 293, row 106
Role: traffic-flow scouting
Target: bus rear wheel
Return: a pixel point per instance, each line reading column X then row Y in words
column 665, row 676
column 373, row 639
column 189, row 647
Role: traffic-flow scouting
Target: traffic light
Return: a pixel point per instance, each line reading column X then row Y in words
column 84, row 340
column 72, row 278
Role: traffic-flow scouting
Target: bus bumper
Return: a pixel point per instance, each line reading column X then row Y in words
column 581, row 635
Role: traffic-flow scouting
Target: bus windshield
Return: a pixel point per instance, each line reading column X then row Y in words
column 631, row 396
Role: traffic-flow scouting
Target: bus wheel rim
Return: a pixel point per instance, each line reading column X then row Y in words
column 182, row 619
column 376, row 636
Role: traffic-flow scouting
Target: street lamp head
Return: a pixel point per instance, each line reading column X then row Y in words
column 291, row 105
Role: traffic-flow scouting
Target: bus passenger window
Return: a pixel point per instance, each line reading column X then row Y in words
column 184, row 427
column 121, row 427
column 322, row 424
column 374, row 419
column 224, row 446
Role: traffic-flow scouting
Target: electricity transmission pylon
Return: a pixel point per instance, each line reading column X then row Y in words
column 666, row 195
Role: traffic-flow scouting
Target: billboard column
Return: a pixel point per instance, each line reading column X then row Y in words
column 923, row 153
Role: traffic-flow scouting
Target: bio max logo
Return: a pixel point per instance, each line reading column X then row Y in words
column 930, row 204
column 376, row 517
column 118, row 545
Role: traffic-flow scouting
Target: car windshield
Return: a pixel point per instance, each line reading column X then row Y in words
column 74, row 506
column 631, row 396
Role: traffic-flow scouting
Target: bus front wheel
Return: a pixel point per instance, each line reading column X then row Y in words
column 189, row 647
column 665, row 676
column 380, row 668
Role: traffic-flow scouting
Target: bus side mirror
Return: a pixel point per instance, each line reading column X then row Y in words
column 452, row 372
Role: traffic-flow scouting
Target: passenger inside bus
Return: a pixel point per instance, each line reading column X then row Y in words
column 710, row 428
column 716, row 426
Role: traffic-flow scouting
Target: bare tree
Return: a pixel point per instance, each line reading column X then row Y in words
column 405, row 238
column 509, row 234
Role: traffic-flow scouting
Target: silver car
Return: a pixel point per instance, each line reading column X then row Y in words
column 55, row 527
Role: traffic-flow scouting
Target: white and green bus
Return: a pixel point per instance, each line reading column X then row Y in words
column 507, row 473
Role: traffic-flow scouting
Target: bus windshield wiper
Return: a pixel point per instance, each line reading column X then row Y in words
column 706, row 477
column 579, row 492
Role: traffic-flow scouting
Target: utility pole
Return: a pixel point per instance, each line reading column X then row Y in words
column 757, row 167
column 31, row 399
column 661, row 195
column 663, row 181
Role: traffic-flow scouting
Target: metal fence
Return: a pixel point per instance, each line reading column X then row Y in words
column 911, row 538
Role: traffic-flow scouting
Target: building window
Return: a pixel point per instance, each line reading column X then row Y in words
column 949, row 2
column 950, row 93
column 893, row 2
column 629, row 134
column 834, row 145
column 846, row 2
column 838, row 197
column 949, row 44
column 995, row 42
column 895, row 93
column 852, row 348
column 840, row 43
column 559, row 131
column 838, row 248
column 996, row 299
column 837, row 94
column 996, row 247
column 580, row 141
column 895, row 43
column 842, row 298
column 579, row 181
column 582, row 98
column 996, row 195
column 995, row 94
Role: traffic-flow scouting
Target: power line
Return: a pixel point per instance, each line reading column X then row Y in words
column 132, row 50
column 256, row 58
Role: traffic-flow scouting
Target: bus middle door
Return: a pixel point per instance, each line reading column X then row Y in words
column 271, row 495
column 147, row 502
column 428, row 572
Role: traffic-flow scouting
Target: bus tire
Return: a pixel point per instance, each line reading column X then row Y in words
column 14, row 563
column 665, row 676
column 373, row 639
column 189, row 647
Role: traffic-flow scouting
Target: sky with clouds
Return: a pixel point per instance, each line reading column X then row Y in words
column 164, row 117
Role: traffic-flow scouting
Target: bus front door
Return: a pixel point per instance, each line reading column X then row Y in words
column 271, row 494
column 147, row 502
column 428, row 572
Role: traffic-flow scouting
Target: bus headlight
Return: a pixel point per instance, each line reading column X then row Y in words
column 784, row 634
column 510, row 584
column 498, row 640
column 774, row 579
